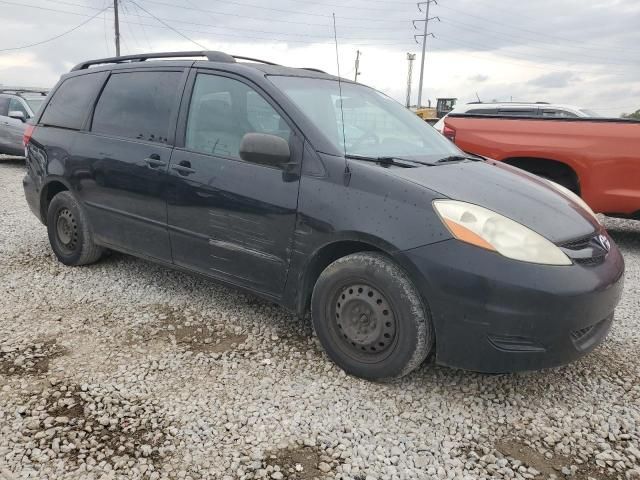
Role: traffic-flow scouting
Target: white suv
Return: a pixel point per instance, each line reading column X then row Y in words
column 515, row 109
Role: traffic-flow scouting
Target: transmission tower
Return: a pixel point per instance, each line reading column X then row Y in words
column 424, row 36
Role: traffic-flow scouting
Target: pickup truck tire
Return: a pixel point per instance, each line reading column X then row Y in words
column 69, row 232
column 370, row 318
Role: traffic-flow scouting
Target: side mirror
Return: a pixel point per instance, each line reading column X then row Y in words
column 264, row 149
column 18, row 115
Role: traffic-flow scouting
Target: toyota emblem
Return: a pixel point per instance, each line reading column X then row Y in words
column 604, row 241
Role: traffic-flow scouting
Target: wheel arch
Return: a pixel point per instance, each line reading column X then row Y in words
column 328, row 253
column 558, row 171
column 50, row 190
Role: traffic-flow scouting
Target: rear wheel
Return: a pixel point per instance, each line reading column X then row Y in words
column 370, row 318
column 69, row 233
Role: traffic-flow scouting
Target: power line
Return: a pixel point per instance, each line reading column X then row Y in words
column 243, row 36
column 81, row 24
column 281, row 10
column 523, row 58
column 283, row 40
column 524, row 61
column 214, row 12
column 508, row 36
column 169, row 26
column 522, row 29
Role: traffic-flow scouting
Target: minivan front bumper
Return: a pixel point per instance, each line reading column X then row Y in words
column 496, row 315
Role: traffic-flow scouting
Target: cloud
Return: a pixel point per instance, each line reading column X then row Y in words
column 498, row 49
column 554, row 80
column 479, row 78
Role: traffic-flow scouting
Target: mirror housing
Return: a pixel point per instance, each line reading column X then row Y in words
column 264, row 149
column 18, row 115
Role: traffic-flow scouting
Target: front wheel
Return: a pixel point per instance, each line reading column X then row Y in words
column 370, row 318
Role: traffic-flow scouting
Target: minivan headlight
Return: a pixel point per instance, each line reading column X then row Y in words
column 487, row 229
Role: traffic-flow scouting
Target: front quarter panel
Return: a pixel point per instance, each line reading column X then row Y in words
column 374, row 207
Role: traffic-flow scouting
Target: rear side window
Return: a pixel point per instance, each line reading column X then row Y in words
column 139, row 105
column 482, row 111
column 558, row 114
column 71, row 101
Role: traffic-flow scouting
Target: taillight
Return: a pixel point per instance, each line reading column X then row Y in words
column 28, row 132
column 449, row 132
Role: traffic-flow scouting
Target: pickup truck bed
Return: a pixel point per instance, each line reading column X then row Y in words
column 597, row 158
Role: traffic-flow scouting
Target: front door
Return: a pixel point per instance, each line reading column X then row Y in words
column 121, row 163
column 229, row 218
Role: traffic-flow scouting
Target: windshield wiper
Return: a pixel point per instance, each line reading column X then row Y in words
column 400, row 162
column 460, row 158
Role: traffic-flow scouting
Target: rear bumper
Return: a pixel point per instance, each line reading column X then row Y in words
column 496, row 315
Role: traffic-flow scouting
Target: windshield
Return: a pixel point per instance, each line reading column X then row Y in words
column 374, row 124
column 34, row 103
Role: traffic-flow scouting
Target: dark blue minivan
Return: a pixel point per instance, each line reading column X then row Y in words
column 325, row 195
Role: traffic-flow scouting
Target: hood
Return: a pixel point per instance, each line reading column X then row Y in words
column 509, row 191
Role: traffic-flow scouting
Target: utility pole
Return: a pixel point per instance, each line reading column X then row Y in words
column 411, row 57
column 424, row 36
column 117, row 26
column 357, row 65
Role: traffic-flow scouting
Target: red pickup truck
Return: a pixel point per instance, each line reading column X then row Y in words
column 599, row 159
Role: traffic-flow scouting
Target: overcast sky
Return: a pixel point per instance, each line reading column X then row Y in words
column 581, row 52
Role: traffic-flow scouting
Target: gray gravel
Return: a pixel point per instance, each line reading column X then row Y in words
column 125, row 369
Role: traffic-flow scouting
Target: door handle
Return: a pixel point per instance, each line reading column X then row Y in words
column 184, row 168
column 154, row 161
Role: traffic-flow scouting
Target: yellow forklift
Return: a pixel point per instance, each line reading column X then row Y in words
column 432, row 115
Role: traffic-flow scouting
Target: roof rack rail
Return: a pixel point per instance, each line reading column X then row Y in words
column 249, row 59
column 142, row 57
column 507, row 103
column 18, row 90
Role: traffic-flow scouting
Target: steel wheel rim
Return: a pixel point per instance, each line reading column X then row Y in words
column 67, row 230
column 363, row 321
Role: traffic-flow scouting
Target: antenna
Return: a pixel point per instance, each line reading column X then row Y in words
column 478, row 97
column 347, row 171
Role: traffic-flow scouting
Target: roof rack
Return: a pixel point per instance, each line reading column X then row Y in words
column 513, row 103
column 19, row 90
column 249, row 59
column 212, row 56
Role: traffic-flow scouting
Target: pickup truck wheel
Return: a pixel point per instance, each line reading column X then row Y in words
column 69, row 233
column 370, row 318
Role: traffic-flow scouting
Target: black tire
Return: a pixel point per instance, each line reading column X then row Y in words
column 69, row 232
column 370, row 318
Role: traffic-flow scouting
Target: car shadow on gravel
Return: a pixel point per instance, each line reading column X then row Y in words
column 194, row 289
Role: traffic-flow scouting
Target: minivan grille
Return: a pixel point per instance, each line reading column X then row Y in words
column 586, row 250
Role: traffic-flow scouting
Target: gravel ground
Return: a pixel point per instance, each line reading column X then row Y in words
column 125, row 369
